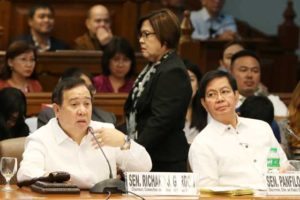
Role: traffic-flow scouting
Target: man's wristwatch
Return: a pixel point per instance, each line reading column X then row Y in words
column 126, row 145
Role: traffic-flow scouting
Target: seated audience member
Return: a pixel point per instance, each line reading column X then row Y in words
column 12, row 114
column 230, row 150
column 118, row 66
column 196, row 116
column 259, row 107
column 209, row 22
column 99, row 31
column 246, row 69
column 229, row 50
column 290, row 127
column 97, row 114
column 19, row 68
column 41, row 23
column 66, row 143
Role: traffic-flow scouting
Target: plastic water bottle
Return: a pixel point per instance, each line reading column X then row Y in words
column 273, row 161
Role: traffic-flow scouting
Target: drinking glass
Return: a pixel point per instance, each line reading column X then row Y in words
column 8, row 169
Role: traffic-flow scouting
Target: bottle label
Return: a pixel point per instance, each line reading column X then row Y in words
column 273, row 162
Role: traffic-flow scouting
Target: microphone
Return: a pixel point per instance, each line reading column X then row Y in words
column 57, row 177
column 110, row 185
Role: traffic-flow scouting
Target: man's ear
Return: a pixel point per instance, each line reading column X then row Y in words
column 29, row 21
column 56, row 109
column 221, row 63
column 87, row 24
column 236, row 96
column 9, row 62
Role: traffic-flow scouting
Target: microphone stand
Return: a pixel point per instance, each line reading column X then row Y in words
column 111, row 185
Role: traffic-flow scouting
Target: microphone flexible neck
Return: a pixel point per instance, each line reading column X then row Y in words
column 91, row 130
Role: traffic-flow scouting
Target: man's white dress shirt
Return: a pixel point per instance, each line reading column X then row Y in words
column 202, row 23
column 49, row 149
column 223, row 155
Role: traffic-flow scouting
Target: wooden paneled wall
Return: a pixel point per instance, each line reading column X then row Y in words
column 109, row 102
column 70, row 17
column 279, row 61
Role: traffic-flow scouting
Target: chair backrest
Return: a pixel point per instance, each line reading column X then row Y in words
column 13, row 147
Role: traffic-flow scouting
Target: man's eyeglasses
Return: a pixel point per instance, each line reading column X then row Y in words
column 145, row 34
column 214, row 95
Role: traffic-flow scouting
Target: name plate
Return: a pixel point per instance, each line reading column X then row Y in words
column 161, row 183
column 283, row 184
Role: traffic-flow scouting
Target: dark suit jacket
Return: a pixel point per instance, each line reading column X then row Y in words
column 97, row 115
column 161, row 111
column 55, row 44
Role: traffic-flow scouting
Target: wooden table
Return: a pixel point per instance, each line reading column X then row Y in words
column 26, row 194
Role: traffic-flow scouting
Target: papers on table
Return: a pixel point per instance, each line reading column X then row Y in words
column 226, row 190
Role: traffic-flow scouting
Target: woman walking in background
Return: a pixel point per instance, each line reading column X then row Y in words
column 157, row 105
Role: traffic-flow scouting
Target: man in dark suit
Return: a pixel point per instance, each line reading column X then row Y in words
column 41, row 23
column 97, row 114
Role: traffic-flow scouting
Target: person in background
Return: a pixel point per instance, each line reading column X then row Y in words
column 246, row 69
column 19, row 68
column 97, row 114
column 196, row 116
column 41, row 22
column 156, row 107
column 67, row 142
column 12, row 114
column 230, row 150
column 118, row 67
column 210, row 22
column 290, row 127
column 99, row 32
column 229, row 50
column 259, row 107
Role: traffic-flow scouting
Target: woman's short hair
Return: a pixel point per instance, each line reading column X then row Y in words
column 115, row 46
column 165, row 25
column 16, row 48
